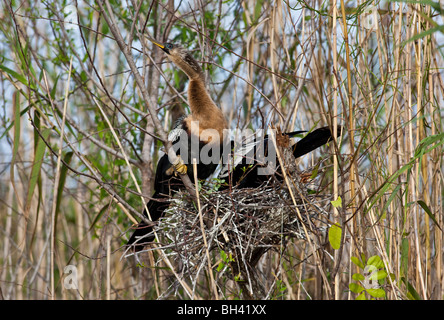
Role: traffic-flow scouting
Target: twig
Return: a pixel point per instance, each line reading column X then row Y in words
column 126, row 50
column 210, row 271
column 56, row 182
column 284, row 173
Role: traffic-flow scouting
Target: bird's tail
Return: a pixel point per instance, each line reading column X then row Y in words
column 143, row 234
column 313, row 140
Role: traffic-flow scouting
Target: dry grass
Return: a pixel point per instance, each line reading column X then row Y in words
column 70, row 185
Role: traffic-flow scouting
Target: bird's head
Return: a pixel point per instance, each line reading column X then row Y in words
column 181, row 57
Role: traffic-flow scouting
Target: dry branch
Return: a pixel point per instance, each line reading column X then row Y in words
column 243, row 223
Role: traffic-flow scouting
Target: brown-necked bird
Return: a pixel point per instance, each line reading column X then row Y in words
column 204, row 126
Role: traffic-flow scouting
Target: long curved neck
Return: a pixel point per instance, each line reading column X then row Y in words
column 203, row 108
column 201, row 104
column 199, row 98
column 190, row 67
column 205, row 111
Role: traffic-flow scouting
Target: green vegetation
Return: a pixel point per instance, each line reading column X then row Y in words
column 79, row 144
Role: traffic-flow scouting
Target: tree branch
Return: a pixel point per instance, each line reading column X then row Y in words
column 126, row 50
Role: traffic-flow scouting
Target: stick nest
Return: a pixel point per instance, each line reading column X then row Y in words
column 245, row 223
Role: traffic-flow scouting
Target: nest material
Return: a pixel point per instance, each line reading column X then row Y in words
column 243, row 222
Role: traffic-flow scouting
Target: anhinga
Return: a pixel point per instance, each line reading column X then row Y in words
column 247, row 159
column 204, row 126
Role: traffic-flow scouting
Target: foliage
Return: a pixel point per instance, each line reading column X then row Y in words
column 80, row 141
column 370, row 280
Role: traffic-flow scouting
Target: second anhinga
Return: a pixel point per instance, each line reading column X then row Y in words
column 204, row 126
column 246, row 163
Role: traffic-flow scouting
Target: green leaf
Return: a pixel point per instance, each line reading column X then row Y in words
column 223, row 255
column 14, row 75
column 358, row 277
column 25, row 110
column 357, row 262
column 361, row 296
column 377, row 293
column 36, row 166
column 379, row 275
column 257, row 10
column 356, row 288
column 426, row 145
column 412, row 294
column 314, row 173
column 363, row 258
column 393, row 195
column 62, row 180
column 97, row 217
column 435, row 5
column 429, row 212
column 404, row 255
column 230, row 257
column 376, row 262
column 334, row 236
column 16, row 114
column 54, row 88
column 424, row 34
column 337, row 203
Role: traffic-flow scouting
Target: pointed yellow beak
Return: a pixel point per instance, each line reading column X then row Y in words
column 156, row 43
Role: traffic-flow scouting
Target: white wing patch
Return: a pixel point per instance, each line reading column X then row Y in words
column 243, row 150
column 174, row 134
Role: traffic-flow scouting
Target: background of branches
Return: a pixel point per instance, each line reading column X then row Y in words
column 79, row 143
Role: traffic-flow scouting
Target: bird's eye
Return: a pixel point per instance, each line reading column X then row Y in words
column 169, row 46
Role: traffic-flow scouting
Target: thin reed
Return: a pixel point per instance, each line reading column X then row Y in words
column 87, row 101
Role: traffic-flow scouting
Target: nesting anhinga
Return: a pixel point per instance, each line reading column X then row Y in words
column 205, row 125
column 243, row 169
